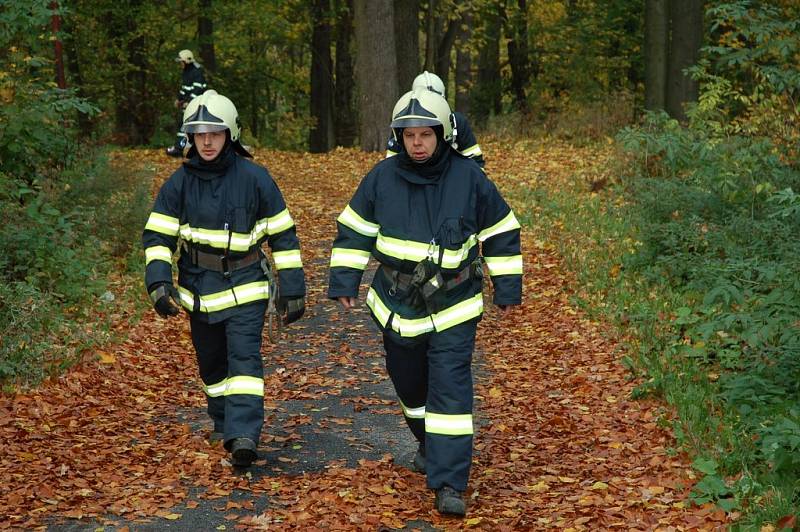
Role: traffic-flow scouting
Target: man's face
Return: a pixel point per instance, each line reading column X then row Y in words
column 209, row 145
column 420, row 142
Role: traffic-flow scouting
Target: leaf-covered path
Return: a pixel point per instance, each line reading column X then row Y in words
column 120, row 440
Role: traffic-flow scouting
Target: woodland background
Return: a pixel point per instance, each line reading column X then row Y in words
column 684, row 239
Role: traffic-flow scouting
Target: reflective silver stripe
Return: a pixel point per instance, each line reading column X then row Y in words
column 413, row 413
column 161, row 223
column 350, row 258
column 448, row 424
column 157, row 253
column 219, row 238
column 287, row 259
column 508, row 223
column 390, row 153
column 416, row 251
column 472, row 151
column 244, row 385
column 245, row 293
column 216, row 390
column 504, row 265
column 351, row 219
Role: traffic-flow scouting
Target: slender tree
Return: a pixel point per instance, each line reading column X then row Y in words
column 406, row 35
column 464, row 64
column 376, row 70
column 345, row 123
column 205, row 37
column 321, row 134
column 656, row 48
column 518, row 58
column 684, row 51
column 487, row 94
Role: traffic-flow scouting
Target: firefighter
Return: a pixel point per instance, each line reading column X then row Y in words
column 463, row 138
column 220, row 207
column 424, row 215
column 193, row 84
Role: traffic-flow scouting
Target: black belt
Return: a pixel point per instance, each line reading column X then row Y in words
column 220, row 263
column 402, row 281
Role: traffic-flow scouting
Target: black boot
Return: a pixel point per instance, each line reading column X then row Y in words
column 450, row 501
column 243, row 452
column 418, row 462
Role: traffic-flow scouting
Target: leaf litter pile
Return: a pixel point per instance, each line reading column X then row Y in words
column 121, row 439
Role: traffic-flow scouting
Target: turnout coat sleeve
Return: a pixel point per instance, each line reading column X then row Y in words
column 357, row 232
column 160, row 236
column 193, row 84
column 499, row 234
column 282, row 240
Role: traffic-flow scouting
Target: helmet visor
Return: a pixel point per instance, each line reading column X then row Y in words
column 415, row 121
column 203, row 128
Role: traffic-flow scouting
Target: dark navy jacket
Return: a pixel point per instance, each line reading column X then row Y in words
column 400, row 217
column 193, row 83
column 234, row 209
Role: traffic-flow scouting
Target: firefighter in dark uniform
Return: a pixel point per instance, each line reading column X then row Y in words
column 193, row 84
column 220, row 207
column 465, row 142
column 424, row 215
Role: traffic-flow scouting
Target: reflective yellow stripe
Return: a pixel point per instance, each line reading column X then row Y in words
column 400, row 325
column 472, row 151
column 350, row 258
column 413, row 413
column 157, row 253
column 287, row 259
column 280, row 222
column 390, row 153
column 509, row 223
column 245, row 293
column 459, row 313
column 216, row 390
column 243, row 385
column 161, row 223
column 351, row 219
column 416, row 251
column 448, row 424
column 504, row 265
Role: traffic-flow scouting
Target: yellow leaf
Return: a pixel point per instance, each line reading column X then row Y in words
column 539, row 487
column 106, row 358
column 473, row 521
column 615, row 445
column 495, row 392
column 599, row 486
column 567, row 480
column 656, row 490
column 172, row 517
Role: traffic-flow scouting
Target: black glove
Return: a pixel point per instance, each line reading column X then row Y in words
column 162, row 295
column 292, row 307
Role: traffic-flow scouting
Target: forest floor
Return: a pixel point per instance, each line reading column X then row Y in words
column 119, row 441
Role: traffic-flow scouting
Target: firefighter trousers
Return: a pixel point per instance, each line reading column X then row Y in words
column 433, row 380
column 229, row 358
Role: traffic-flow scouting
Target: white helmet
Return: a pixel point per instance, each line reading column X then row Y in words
column 428, row 80
column 419, row 108
column 185, row 56
column 209, row 112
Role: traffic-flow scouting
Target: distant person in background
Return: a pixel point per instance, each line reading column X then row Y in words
column 193, row 84
column 464, row 139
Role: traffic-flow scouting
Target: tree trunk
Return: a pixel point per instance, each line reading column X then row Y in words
column 406, row 34
column 344, row 110
column 518, row 54
column 321, row 135
column 487, row 95
column 134, row 119
column 205, row 37
column 431, row 38
column 443, row 51
column 376, row 70
column 464, row 65
column 656, row 47
column 61, row 81
column 684, row 51
column 85, row 123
